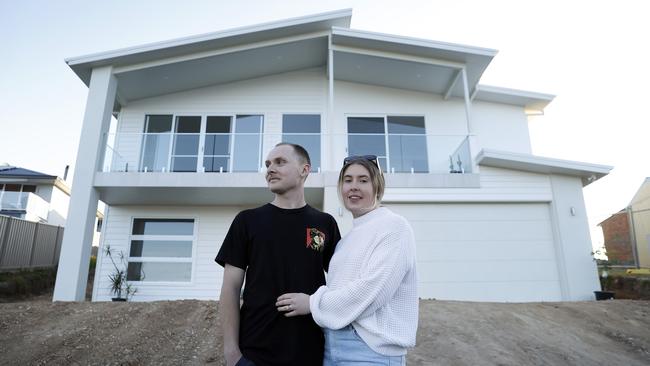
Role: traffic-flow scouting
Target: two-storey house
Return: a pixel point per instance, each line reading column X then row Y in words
column 33, row 196
column 38, row 197
column 196, row 117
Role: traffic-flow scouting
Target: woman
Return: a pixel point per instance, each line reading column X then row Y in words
column 369, row 308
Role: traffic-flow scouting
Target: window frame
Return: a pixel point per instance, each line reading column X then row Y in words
column 21, row 196
column 175, row 134
column 386, row 135
column 192, row 260
column 200, row 168
column 319, row 134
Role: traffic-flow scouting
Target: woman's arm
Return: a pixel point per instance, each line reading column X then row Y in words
column 387, row 265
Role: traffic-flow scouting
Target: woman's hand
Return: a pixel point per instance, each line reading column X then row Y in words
column 293, row 304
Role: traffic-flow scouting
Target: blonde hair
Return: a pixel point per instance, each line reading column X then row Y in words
column 376, row 179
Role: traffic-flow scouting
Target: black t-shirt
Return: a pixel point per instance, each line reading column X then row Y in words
column 282, row 251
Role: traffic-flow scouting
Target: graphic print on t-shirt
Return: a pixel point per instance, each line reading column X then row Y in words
column 315, row 239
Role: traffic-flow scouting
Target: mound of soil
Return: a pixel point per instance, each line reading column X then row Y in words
column 615, row 332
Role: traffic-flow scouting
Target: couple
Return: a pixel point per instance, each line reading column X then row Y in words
column 368, row 310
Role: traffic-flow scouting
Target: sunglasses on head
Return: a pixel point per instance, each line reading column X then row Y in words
column 372, row 158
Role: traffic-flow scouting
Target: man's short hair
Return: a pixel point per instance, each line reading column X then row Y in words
column 299, row 150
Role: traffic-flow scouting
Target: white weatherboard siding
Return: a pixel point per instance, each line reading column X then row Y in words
column 445, row 120
column 497, row 185
column 573, row 241
column 211, row 226
column 306, row 91
column 500, row 127
column 59, row 204
column 272, row 96
column 484, row 251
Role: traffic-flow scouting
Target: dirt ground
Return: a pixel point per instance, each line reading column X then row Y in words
column 614, row 332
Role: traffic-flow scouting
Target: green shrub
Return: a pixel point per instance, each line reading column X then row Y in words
column 27, row 282
column 22, row 285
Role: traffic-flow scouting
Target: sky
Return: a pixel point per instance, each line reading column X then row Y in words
column 594, row 56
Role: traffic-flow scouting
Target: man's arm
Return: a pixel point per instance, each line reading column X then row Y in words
column 233, row 278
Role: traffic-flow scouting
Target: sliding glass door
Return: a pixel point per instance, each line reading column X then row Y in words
column 185, row 150
column 248, row 143
column 202, row 143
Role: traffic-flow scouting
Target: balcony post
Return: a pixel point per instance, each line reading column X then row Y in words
column 327, row 152
column 72, row 274
column 468, row 114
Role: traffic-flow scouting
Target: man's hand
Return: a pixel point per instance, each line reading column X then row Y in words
column 293, row 304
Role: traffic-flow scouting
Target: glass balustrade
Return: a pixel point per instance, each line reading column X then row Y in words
column 24, row 201
column 221, row 152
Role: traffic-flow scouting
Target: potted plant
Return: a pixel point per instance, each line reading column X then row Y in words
column 603, row 266
column 119, row 284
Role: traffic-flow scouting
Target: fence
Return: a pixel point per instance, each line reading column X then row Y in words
column 26, row 244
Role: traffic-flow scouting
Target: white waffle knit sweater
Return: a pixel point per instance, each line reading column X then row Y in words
column 372, row 284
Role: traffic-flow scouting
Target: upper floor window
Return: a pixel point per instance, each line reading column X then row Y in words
column 398, row 141
column 216, row 154
column 202, row 143
column 14, row 196
column 185, row 144
column 155, row 143
column 247, row 144
column 304, row 130
column 161, row 250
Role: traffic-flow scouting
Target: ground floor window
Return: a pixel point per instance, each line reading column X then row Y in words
column 161, row 250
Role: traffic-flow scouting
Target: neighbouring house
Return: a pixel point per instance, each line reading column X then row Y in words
column 33, row 196
column 630, row 226
column 639, row 211
column 617, row 235
column 195, row 117
column 37, row 197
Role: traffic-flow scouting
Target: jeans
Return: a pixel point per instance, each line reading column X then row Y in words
column 345, row 347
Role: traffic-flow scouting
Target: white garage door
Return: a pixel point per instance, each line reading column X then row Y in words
column 484, row 252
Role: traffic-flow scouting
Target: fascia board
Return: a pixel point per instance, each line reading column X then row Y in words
column 81, row 65
column 528, row 99
column 527, row 162
column 62, row 185
column 411, row 41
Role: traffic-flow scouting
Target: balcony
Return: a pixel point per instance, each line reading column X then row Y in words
column 243, row 152
column 24, row 205
column 227, row 168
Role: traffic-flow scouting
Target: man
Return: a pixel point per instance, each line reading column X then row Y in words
column 280, row 247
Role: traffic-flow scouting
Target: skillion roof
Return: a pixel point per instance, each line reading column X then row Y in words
column 298, row 43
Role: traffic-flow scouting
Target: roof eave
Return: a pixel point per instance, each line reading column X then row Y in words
column 588, row 172
column 82, row 65
column 412, row 41
column 533, row 102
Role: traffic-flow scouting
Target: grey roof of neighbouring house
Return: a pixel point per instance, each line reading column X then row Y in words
column 16, row 172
